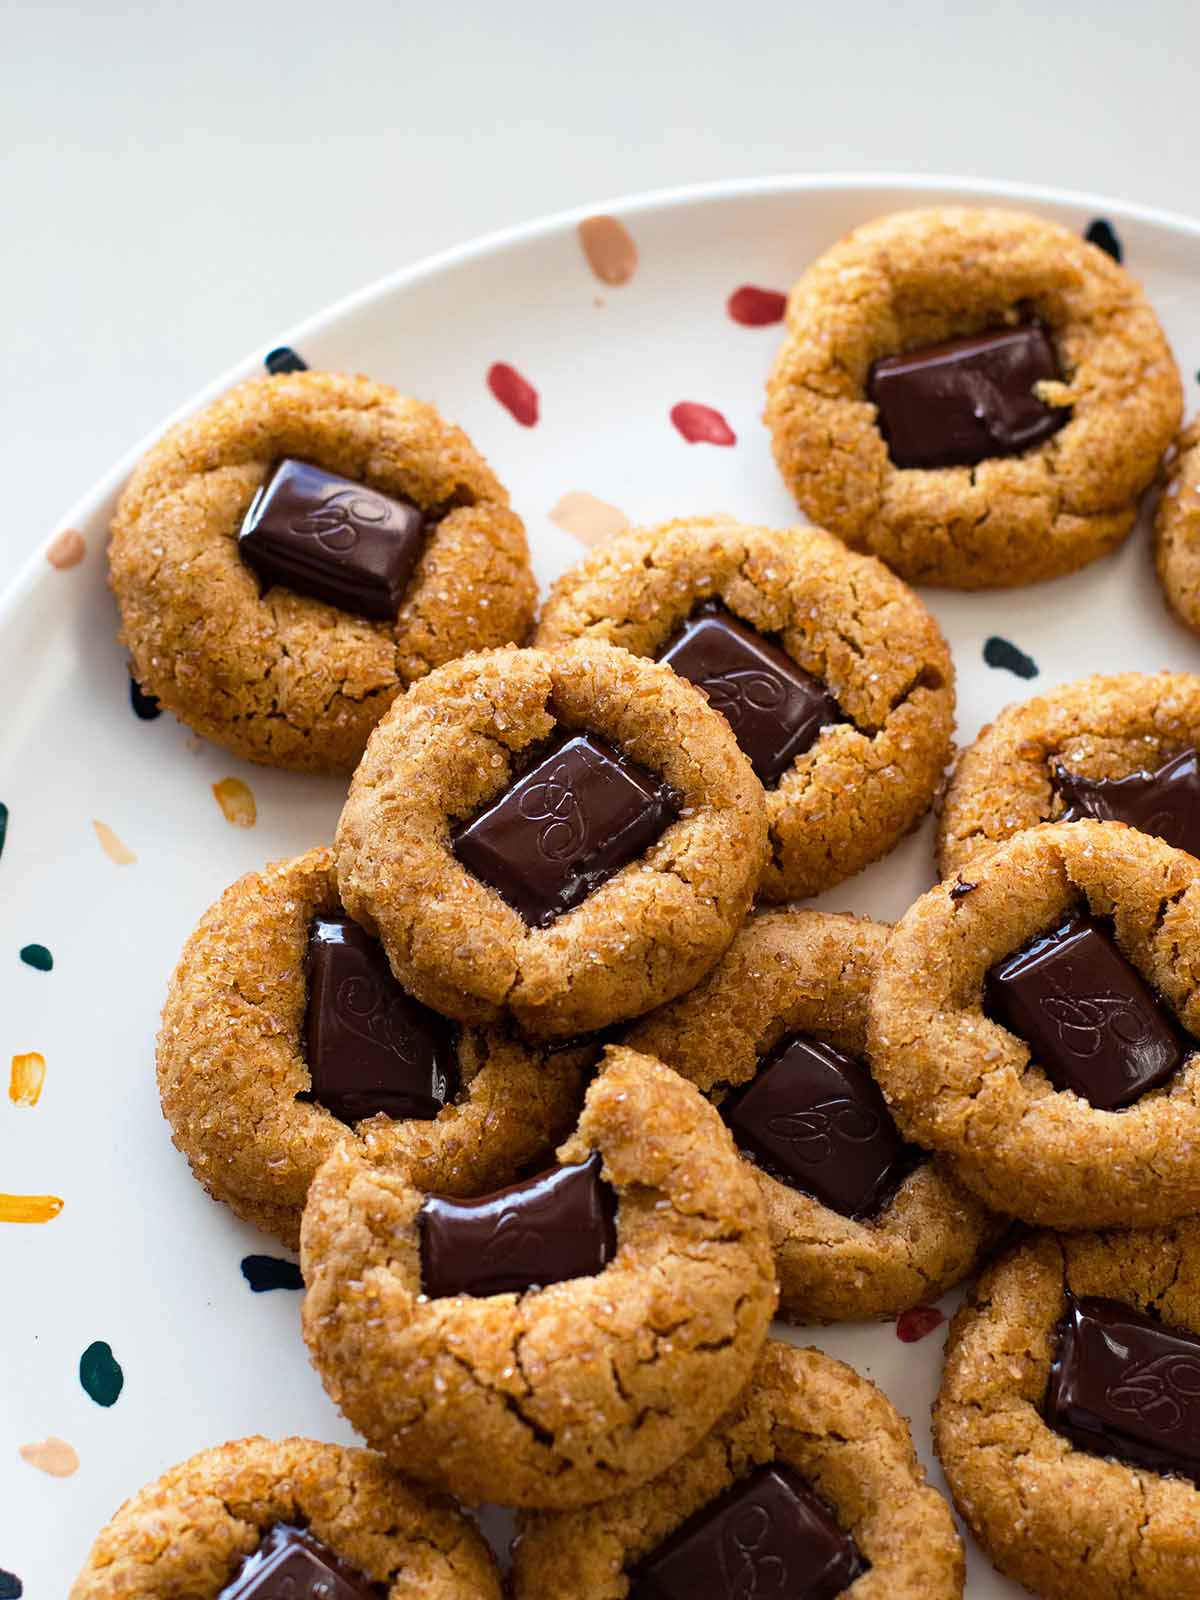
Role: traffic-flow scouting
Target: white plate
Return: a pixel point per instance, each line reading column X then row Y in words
column 140, row 1257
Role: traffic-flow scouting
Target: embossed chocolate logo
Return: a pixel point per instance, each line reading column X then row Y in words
column 1163, row 1393
column 750, row 1567
column 738, row 694
column 365, row 1009
column 811, row 1133
column 553, row 802
column 338, row 523
column 1081, row 1019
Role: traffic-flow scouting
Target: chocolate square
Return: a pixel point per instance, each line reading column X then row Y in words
column 1165, row 802
column 816, row 1119
column 1123, row 1384
column 1092, row 1021
column 766, row 1535
column 332, row 539
column 559, row 1225
column 775, row 708
column 370, row 1046
column 292, row 1564
column 957, row 403
column 578, row 815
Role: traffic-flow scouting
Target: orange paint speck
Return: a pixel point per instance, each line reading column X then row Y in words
column 67, row 551
column 236, row 802
column 29, row 1207
column 589, row 519
column 609, row 247
column 28, row 1076
column 54, row 1456
column 114, row 848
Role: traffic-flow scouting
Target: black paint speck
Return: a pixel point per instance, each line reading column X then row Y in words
column 11, row 1587
column 284, row 359
column 145, row 706
column 271, row 1272
column 998, row 652
column 1104, row 236
column 3, row 825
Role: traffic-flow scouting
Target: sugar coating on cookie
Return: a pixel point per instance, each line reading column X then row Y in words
column 1177, row 530
column 190, row 1530
column 863, row 773
column 468, row 742
column 908, row 281
column 281, row 677
column 1022, row 767
column 1068, row 1522
column 963, row 1084
column 806, row 975
column 566, row 1394
column 236, row 1086
column 817, row 1418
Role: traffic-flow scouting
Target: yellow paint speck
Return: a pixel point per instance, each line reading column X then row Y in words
column 236, row 801
column 590, row 520
column 68, row 550
column 113, row 847
column 29, row 1207
column 28, row 1076
column 52, row 1455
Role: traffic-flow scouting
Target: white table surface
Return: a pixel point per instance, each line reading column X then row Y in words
column 178, row 184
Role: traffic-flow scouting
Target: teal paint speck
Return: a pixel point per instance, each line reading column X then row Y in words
column 36, row 955
column 100, row 1374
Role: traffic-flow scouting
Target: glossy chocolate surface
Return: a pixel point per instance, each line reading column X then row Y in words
column 577, row 816
column 332, row 539
column 292, row 1564
column 957, row 403
column 1123, row 1384
column 775, row 708
column 1165, row 802
column 768, row 1535
column 559, row 1225
column 370, row 1046
column 1092, row 1021
column 815, row 1119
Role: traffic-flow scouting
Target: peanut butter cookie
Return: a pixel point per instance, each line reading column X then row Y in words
column 1177, row 530
column 978, row 397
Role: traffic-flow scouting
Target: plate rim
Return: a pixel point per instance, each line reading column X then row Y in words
column 668, row 198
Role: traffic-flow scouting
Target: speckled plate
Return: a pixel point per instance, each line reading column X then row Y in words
column 116, row 841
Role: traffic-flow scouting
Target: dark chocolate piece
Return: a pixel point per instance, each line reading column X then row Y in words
column 960, row 888
column 580, row 814
column 1092, row 1021
column 1122, row 1384
column 370, row 1046
column 815, row 1119
column 559, row 1225
column 333, row 539
column 1165, row 803
column 957, row 403
column 292, row 1564
column 775, row 708
column 766, row 1535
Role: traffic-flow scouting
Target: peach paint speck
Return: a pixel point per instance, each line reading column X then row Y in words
column 53, row 1456
column 67, row 551
column 29, row 1207
column 609, row 248
column 589, row 519
column 26, row 1079
column 115, row 849
column 236, row 802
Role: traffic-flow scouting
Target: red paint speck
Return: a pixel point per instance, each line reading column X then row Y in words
column 514, row 392
column 701, row 424
column 755, row 308
column 915, row 1324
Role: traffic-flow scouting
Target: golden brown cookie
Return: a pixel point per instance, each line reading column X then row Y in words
column 566, row 1394
column 845, row 778
column 232, row 1064
column 481, row 739
column 1177, row 530
column 912, row 280
column 1106, row 921
column 1024, row 768
column 281, row 677
column 187, row 1534
column 1063, row 1520
column 808, row 1414
column 861, row 1224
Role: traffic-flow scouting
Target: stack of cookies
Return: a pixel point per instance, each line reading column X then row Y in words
column 557, row 1087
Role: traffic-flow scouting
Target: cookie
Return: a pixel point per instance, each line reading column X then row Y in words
column 1177, row 530
column 834, row 676
column 1035, row 1025
column 1067, row 1418
column 862, row 1224
column 380, row 546
column 917, row 405
column 426, row 1325
column 281, row 1042
column 809, row 1487
column 568, row 836
column 321, row 1519
column 1118, row 748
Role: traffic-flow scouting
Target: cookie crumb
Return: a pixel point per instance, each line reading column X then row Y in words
column 67, row 551
column 236, row 801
